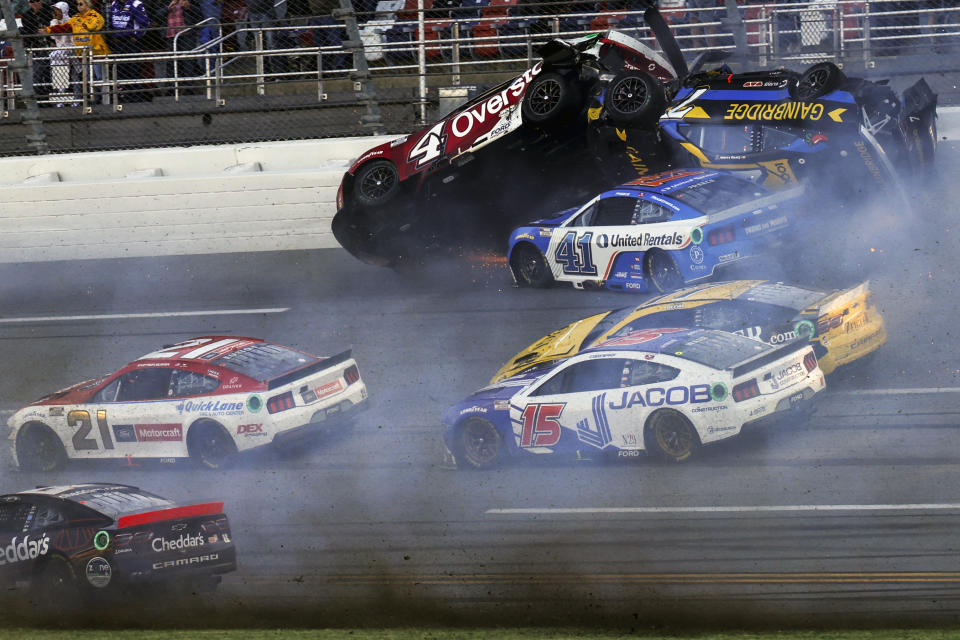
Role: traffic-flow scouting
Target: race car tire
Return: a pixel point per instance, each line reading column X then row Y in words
column 928, row 138
column 39, row 449
column 530, row 267
column 550, row 100
column 478, row 444
column 55, row 584
column 375, row 183
column 820, row 79
column 210, row 445
column 662, row 271
column 670, row 436
column 634, row 97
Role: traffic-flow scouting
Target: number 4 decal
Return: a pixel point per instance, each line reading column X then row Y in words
column 541, row 427
column 430, row 146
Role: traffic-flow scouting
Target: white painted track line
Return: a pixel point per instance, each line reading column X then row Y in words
column 730, row 509
column 137, row 316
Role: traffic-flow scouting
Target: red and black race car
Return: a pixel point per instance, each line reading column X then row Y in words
column 65, row 544
column 487, row 160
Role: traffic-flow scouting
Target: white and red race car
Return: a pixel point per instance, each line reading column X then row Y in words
column 206, row 399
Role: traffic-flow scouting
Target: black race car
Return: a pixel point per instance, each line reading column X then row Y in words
column 68, row 543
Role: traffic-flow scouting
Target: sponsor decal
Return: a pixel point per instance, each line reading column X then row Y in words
column 463, row 123
column 546, row 232
column 712, row 407
column 727, row 257
column 98, row 572
column 211, row 407
column 765, row 225
column 629, row 439
column 696, row 254
column 158, row 432
column 719, row 429
column 26, row 549
column 398, row 141
column 329, row 389
column 255, row 430
column 633, row 285
column 785, row 375
column 628, row 454
column 866, row 340
column 868, row 161
column 618, row 240
column 774, row 111
column 254, row 403
column 620, row 274
column 474, row 409
column 698, row 267
column 858, row 322
column 124, row 433
column 56, row 411
column 501, row 405
column 525, row 236
column 783, row 338
column 185, row 562
column 185, row 541
column 659, row 396
column 757, row 411
column 752, row 84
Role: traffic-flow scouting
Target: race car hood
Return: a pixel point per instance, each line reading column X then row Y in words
column 561, row 343
column 491, row 398
column 556, row 220
column 71, row 395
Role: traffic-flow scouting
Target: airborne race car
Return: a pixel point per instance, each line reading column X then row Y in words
column 207, row 399
column 69, row 542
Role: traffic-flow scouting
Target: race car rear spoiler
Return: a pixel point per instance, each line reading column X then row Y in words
column 310, row 369
column 918, row 97
column 173, row 513
column 762, row 360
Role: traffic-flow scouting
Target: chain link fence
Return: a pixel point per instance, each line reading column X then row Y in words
column 228, row 71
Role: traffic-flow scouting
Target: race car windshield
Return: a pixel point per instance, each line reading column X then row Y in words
column 264, row 361
column 738, row 139
column 719, row 193
column 717, row 349
column 116, row 502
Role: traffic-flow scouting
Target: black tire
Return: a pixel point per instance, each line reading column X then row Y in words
column 39, row 449
column 818, row 80
column 55, row 585
column 210, row 445
column 478, row 444
column 530, row 267
column 634, row 97
column 375, row 183
column 550, row 100
column 662, row 271
column 670, row 436
column 928, row 139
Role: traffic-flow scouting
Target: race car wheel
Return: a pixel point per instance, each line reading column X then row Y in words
column 39, row 449
column 818, row 80
column 662, row 271
column 210, row 445
column 530, row 267
column 928, row 138
column 670, row 436
column 550, row 100
column 478, row 444
column 55, row 583
column 375, row 183
column 634, row 97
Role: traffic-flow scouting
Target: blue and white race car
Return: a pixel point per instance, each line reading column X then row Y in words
column 654, row 234
column 667, row 391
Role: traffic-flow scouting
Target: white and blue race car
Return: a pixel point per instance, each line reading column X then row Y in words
column 666, row 391
column 654, row 234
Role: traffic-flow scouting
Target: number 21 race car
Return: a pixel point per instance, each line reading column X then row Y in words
column 206, row 399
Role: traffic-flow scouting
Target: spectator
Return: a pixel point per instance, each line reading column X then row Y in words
column 939, row 14
column 85, row 27
column 129, row 20
column 179, row 15
column 259, row 16
column 699, row 12
column 64, row 68
column 787, row 20
column 332, row 35
column 33, row 22
column 891, row 33
column 210, row 10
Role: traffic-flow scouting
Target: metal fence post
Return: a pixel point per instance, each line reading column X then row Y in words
column 422, row 62
column 36, row 136
column 362, row 85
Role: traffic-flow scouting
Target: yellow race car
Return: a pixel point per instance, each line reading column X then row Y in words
column 842, row 325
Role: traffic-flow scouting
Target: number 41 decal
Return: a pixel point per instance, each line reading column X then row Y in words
column 576, row 255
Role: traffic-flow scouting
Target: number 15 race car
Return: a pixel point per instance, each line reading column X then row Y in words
column 205, row 399
column 666, row 391
column 63, row 543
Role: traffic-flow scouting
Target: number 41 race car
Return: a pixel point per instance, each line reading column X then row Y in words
column 205, row 399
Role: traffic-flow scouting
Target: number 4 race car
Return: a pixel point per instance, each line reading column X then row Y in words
column 64, row 543
column 205, row 399
column 655, row 233
column 666, row 391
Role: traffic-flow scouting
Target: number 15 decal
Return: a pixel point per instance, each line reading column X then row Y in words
column 541, row 427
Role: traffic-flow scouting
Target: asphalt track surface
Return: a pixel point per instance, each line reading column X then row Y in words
column 851, row 519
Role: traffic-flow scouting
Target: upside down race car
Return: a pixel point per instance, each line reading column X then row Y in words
column 470, row 169
column 842, row 326
column 666, row 391
column 842, row 134
column 66, row 542
column 206, row 399
column 655, row 233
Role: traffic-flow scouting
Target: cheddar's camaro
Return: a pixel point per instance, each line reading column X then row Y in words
column 666, row 391
column 207, row 399
column 92, row 539
column 843, row 326
column 655, row 233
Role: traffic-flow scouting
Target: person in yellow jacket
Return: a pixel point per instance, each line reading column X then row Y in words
column 85, row 27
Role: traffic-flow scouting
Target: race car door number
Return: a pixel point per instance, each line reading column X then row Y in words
column 81, row 418
column 576, row 254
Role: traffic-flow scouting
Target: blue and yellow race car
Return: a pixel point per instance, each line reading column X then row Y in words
column 654, row 234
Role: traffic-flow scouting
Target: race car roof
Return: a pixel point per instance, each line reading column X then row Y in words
column 109, row 499
column 203, row 348
column 711, row 347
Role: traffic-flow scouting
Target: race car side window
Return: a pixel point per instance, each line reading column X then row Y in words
column 589, row 375
column 188, row 383
column 647, row 212
column 614, row 212
column 638, row 372
column 47, row 515
column 15, row 515
column 144, row 384
column 108, row 393
column 585, row 219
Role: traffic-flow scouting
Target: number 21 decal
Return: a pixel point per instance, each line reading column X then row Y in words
column 576, row 254
column 81, row 440
column 541, row 427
